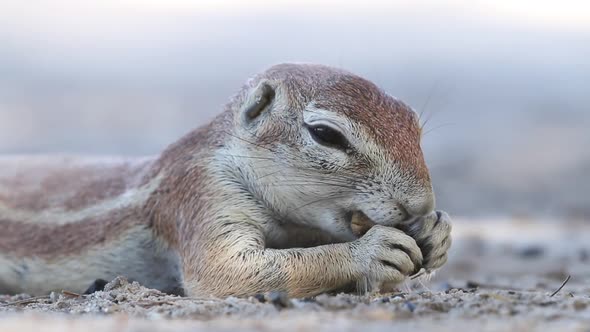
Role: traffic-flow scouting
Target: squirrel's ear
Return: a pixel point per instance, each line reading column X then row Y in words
column 259, row 100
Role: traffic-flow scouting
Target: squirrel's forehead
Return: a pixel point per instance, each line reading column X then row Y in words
column 391, row 124
column 386, row 119
column 363, row 102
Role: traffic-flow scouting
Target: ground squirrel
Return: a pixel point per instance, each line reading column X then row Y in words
column 260, row 199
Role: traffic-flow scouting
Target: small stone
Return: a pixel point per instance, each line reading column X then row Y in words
column 410, row 306
column 547, row 303
column 279, row 299
column 260, row 298
column 398, row 295
column 116, row 283
column 60, row 304
column 439, row 306
column 580, row 305
column 532, row 252
column 454, row 291
column 426, row 295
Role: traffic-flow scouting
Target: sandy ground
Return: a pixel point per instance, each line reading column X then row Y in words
column 502, row 275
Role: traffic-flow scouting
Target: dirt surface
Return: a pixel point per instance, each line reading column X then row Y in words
column 502, row 275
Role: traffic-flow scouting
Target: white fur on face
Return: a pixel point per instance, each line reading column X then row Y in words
column 283, row 176
column 385, row 189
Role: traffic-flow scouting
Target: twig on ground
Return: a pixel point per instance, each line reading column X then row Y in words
column 562, row 284
column 72, row 294
column 25, row 301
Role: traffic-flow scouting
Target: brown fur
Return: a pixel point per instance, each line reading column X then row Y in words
column 391, row 123
column 24, row 239
column 67, row 184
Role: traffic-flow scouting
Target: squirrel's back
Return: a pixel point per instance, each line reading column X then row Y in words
column 64, row 215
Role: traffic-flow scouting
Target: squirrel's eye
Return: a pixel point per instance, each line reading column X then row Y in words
column 328, row 136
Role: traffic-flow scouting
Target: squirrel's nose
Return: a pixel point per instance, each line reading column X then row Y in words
column 421, row 205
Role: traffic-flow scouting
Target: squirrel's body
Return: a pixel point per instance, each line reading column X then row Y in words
column 67, row 221
column 247, row 204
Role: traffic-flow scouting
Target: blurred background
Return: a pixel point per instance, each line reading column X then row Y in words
column 505, row 85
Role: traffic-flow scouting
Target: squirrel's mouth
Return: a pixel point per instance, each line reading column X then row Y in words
column 360, row 223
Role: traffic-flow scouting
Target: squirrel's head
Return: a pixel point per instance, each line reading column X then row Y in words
column 316, row 144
